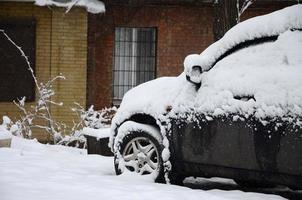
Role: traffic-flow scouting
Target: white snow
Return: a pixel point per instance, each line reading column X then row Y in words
column 130, row 126
column 153, row 98
column 92, row 6
column 97, row 133
column 4, row 132
column 33, row 171
column 270, row 72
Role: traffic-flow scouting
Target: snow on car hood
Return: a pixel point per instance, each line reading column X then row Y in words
column 154, row 97
column 271, row 73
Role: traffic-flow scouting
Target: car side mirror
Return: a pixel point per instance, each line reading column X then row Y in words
column 193, row 69
column 194, row 76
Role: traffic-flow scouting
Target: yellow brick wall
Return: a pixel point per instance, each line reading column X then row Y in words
column 69, row 52
column 61, row 47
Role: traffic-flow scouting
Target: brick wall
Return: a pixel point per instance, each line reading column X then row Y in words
column 69, row 57
column 61, row 47
column 181, row 30
column 262, row 8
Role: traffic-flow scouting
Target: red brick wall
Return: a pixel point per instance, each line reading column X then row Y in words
column 181, row 30
column 262, row 8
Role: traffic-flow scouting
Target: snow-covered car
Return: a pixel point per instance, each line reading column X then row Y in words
column 235, row 111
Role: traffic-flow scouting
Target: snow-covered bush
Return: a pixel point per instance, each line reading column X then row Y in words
column 87, row 118
column 74, row 139
column 96, row 119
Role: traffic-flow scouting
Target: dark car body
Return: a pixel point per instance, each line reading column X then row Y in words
column 241, row 150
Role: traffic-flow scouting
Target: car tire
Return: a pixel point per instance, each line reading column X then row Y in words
column 133, row 150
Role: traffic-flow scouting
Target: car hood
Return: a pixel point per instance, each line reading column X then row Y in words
column 155, row 97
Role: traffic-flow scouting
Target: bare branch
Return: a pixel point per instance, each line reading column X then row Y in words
column 243, row 8
column 71, row 5
column 23, row 55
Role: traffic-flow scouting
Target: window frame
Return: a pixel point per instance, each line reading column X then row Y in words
column 116, row 101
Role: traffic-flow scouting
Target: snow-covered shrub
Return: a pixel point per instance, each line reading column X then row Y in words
column 87, row 118
column 95, row 119
column 75, row 139
column 39, row 111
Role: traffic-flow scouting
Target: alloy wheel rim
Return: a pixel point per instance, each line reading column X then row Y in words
column 141, row 156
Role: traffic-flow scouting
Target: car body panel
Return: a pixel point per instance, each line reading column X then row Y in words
column 240, row 145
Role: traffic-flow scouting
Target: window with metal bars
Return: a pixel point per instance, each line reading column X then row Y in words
column 134, row 59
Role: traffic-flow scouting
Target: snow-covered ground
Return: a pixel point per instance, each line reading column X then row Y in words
column 33, row 171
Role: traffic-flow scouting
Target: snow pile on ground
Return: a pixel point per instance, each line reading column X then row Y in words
column 33, row 171
column 92, row 6
column 4, row 133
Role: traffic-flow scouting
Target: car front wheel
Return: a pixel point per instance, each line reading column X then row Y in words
column 140, row 152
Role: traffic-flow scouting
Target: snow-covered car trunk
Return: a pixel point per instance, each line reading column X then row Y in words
column 252, row 73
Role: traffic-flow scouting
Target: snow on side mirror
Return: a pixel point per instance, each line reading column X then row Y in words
column 193, row 69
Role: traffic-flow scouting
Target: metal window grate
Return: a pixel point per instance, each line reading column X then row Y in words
column 134, row 59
